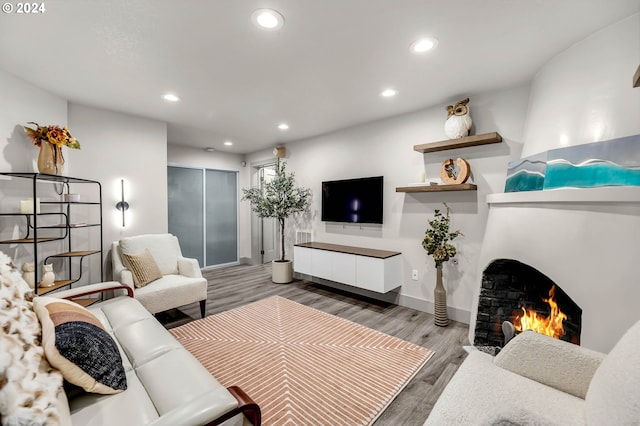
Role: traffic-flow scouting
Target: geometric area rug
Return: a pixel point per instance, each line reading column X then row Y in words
column 303, row 366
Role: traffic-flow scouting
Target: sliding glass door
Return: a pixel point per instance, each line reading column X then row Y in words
column 186, row 211
column 222, row 217
column 203, row 213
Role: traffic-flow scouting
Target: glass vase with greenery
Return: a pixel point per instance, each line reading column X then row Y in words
column 437, row 244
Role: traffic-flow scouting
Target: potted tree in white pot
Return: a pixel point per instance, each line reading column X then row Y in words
column 279, row 199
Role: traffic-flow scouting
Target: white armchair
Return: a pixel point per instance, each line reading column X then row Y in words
column 181, row 282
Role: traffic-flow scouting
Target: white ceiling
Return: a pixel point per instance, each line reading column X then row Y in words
column 322, row 71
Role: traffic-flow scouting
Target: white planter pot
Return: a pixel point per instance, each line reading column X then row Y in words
column 281, row 272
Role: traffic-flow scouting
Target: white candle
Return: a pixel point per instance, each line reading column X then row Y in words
column 422, row 176
column 26, row 206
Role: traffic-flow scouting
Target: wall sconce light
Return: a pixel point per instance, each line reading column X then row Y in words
column 122, row 204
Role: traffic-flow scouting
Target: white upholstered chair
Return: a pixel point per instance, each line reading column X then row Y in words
column 180, row 282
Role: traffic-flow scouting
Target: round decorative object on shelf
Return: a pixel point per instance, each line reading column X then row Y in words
column 455, row 172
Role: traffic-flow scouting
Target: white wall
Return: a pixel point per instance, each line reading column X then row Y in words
column 20, row 103
column 117, row 146
column 584, row 94
column 385, row 148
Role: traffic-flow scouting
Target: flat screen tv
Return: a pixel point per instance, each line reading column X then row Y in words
column 353, row 200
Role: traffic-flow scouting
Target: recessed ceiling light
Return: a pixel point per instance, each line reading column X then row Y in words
column 388, row 93
column 209, row 149
column 228, row 143
column 424, row 44
column 170, row 97
column 283, row 126
column 267, row 19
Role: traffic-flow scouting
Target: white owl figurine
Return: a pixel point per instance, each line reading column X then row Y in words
column 48, row 276
column 458, row 121
column 29, row 273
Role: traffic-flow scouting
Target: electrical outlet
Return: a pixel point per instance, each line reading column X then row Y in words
column 414, row 274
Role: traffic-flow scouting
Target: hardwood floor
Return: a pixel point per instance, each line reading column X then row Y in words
column 235, row 286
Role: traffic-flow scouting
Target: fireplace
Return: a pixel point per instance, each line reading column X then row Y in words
column 585, row 240
column 520, row 294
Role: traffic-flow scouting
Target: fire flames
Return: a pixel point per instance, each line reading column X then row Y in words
column 551, row 325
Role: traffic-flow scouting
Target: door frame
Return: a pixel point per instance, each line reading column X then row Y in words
column 256, row 222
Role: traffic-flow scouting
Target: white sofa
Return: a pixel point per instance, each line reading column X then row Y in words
column 165, row 384
column 181, row 283
column 538, row 380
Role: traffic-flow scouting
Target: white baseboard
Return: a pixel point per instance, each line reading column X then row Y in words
column 455, row 314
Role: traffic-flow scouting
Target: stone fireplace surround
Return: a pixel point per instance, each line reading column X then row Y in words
column 587, row 240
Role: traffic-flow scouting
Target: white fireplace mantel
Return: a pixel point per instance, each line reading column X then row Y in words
column 609, row 194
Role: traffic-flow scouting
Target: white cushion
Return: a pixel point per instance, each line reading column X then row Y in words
column 132, row 407
column 614, row 394
column 171, row 291
column 482, row 393
column 164, row 248
column 552, row 362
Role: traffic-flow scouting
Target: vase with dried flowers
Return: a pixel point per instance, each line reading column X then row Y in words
column 436, row 243
column 50, row 139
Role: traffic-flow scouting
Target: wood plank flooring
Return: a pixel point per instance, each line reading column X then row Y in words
column 235, row 286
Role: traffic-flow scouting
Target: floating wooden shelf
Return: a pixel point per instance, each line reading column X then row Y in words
column 483, row 139
column 438, row 188
column 75, row 253
column 28, row 240
column 71, row 225
column 70, row 202
column 56, row 285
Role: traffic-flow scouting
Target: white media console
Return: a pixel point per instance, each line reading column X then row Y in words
column 370, row 269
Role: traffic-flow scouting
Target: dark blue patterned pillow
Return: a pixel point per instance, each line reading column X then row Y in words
column 76, row 343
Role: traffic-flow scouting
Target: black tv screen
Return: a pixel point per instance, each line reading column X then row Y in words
column 353, row 200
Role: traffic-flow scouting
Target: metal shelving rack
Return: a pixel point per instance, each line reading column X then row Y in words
column 32, row 228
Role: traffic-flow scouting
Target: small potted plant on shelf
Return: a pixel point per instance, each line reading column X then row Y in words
column 436, row 243
column 279, row 199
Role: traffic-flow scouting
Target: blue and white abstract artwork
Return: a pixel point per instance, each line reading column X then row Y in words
column 614, row 162
column 526, row 174
column 610, row 163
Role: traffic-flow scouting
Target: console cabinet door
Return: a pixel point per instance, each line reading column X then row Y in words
column 370, row 273
column 302, row 260
column 344, row 268
column 322, row 264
